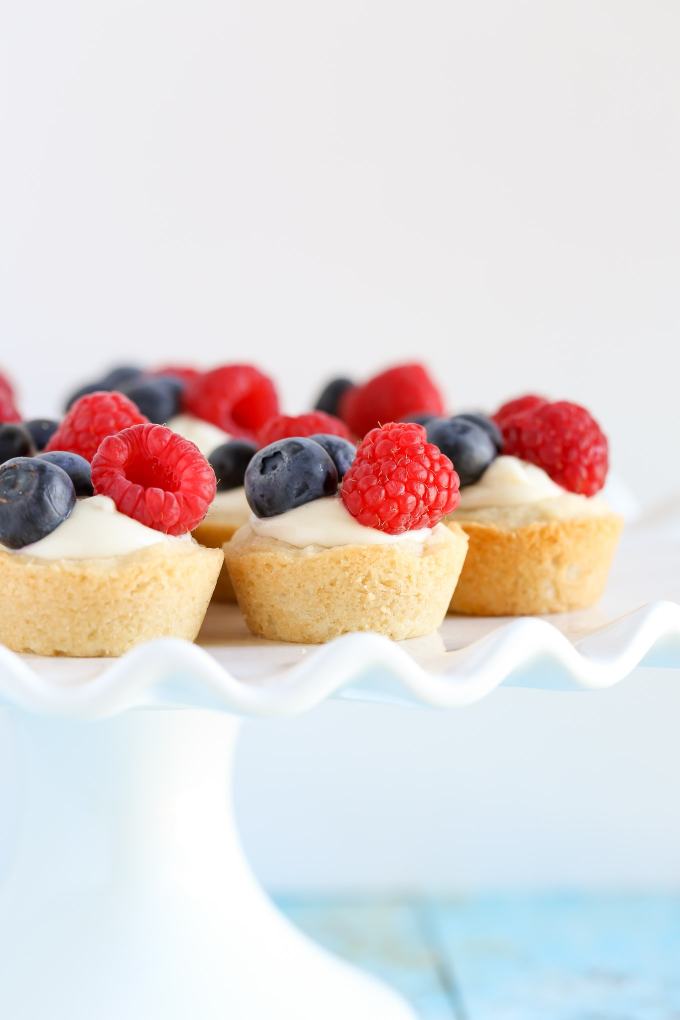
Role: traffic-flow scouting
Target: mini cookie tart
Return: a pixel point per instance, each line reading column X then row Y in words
column 105, row 605
column 549, row 554
column 227, row 514
column 310, row 593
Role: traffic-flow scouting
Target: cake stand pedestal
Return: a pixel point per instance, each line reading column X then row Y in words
column 127, row 895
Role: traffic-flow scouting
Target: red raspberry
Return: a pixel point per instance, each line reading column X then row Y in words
column 91, row 419
column 183, row 372
column 399, row 481
column 565, row 440
column 390, row 396
column 8, row 407
column 156, row 476
column 236, row 398
column 285, row 426
column 520, row 405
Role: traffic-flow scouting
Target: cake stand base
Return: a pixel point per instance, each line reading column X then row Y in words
column 126, row 895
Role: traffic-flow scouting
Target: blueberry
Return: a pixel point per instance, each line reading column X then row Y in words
column 329, row 398
column 75, row 466
column 15, row 441
column 119, row 376
column 115, row 379
column 341, row 451
column 420, row 418
column 229, row 462
column 41, row 431
column 35, row 498
column 82, row 391
column 468, row 445
column 157, row 398
column 486, row 423
column 287, row 474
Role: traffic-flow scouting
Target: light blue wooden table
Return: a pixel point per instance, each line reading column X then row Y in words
column 512, row 957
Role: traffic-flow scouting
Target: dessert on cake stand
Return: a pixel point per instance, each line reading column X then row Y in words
column 124, row 892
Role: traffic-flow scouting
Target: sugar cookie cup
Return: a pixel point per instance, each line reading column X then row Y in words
column 547, row 566
column 314, row 594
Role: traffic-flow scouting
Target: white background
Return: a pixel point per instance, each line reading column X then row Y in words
column 335, row 186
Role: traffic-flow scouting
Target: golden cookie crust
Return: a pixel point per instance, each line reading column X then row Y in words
column 315, row 595
column 101, row 607
column 214, row 534
column 543, row 567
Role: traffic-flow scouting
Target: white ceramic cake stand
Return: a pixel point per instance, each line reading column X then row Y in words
column 125, row 892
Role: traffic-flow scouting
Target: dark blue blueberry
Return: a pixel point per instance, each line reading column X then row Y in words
column 41, row 431
column 486, row 423
column 420, row 418
column 115, row 379
column 156, row 397
column 82, row 391
column 287, row 474
column 35, row 498
column 119, row 376
column 469, row 446
column 75, row 466
column 329, row 398
column 229, row 462
column 341, row 451
column 15, row 441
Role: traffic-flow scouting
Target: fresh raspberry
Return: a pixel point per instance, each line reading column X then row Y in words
column 8, row 407
column 390, row 396
column 156, row 476
column 520, row 405
column 91, row 419
column 237, row 398
column 185, row 373
column 285, row 426
column 565, row 440
column 398, row 481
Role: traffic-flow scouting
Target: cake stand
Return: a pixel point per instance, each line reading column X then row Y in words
column 125, row 894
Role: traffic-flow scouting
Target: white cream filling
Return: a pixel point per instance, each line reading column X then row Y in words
column 231, row 505
column 515, row 489
column 206, row 436
column 96, row 529
column 327, row 523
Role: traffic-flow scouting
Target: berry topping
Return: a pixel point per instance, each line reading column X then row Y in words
column 185, row 373
column 158, row 398
column 329, row 398
column 8, row 407
column 76, row 467
column 389, row 397
column 35, row 498
column 565, row 440
column 91, row 419
column 15, row 441
column 155, row 476
column 287, row 474
column 340, row 450
column 466, row 443
column 237, row 398
column 285, row 426
column 229, row 462
column 486, row 423
column 518, row 406
column 400, row 482
column 112, row 380
column 41, row 430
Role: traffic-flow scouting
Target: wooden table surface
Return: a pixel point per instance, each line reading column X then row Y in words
column 511, row 957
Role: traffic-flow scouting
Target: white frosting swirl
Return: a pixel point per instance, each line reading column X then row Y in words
column 231, row 505
column 514, row 492
column 95, row 529
column 206, row 436
column 327, row 523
